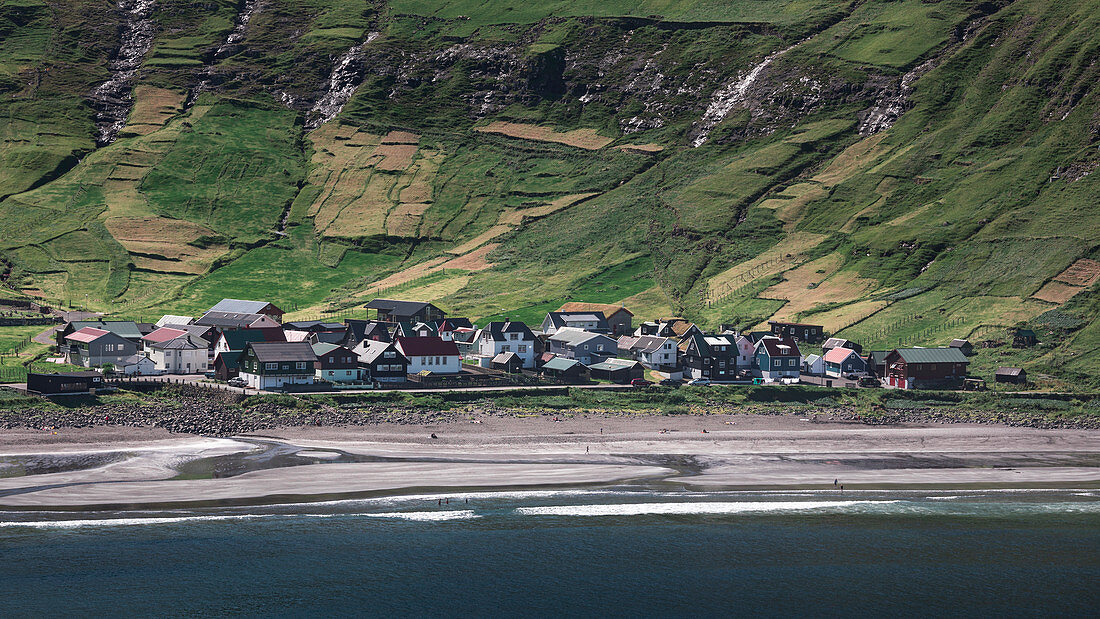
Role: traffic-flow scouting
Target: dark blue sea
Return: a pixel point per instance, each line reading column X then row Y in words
column 618, row 552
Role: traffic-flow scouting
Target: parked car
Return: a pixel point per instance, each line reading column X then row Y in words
column 237, row 382
column 869, row 381
column 641, row 382
column 700, row 382
column 210, row 375
column 671, row 382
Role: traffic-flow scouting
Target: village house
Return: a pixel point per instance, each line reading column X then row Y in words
column 584, row 346
column 449, row 328
column 917, row 368
column 619, row 371
column 619, row 319
column 653, row 352
column 746, row 350
column 713, row 357
column 430, row 354
column 64, row 383
column 668, row 327
column 227, row 365
column 126, row 329
column 272, row 365
column 237, row 340
column 839, row 342
column 840, row 362
column 964, row 346
column 813, row 365
column 382, row 361
column 308, row 330
column 137, row 365
column 227, row 321
column 390, row 310
column 560, row 367
column 508, row 362
column 173, row 320
column 500, row 337
column 92, row 347
column 778, row 359
column 162, row 334
column 593, row 322
column 336, row 364
column 241, row 306
column 184, row 354
column 358, row 331
column 811, row 334
column 876, row 362
column 1014, row 376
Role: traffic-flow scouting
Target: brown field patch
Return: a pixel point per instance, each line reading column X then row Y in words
column 516, row 217
column 473, row 261
column 161, row 244
column 797, row 281
column 647, row 149
column 1057, row 292
column 153, row 107
column 341, row 189
column 801, row 195
column 587, row 139
column 786, row 254
column 396, row 156
column 851, row 160
column 366, row 214
column 123, row 199
column 843, row 317
column 1084, row 272
column 840, row 288
column 897, row 221
column 481, row 239
column 403, row 277
column 436, row 290
column 405, row 219
column 401, row 137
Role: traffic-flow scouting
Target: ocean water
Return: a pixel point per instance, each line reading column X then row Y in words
column 627, row 551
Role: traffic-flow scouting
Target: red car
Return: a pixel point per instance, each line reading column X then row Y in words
column 641, row 382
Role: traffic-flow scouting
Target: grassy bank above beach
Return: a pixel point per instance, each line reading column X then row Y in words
column 191, row 409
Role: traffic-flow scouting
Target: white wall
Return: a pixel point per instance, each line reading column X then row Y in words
column 451, row 364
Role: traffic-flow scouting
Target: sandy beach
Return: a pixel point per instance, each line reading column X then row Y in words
column 134, row 467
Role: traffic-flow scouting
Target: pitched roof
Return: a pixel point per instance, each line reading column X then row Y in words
column 230, row 359
column 932, row 355
column 401, row 308
column 171, row 319
column 314, row 325
column 780, row 347
column 374, row 350
column 794, row 324
column 608, row 309
column 497, row 330
column 232, row 320
column 164, row 334
column 812, row 359
column 324, row 348
column 242, row 306
column 878, row 356
column 644, row 343
column 425, row 346
column 87, row 334
column 614, row 364
column 185, row 342
column 838, row 355
column 560, row 364
column 561, row 320
column 133, row 360
column 366, row 329
column 238, row 339
column 958, row 343
column 506, row 357
column 1009, row 371
column 450, row 324
column 574, row 336
column 283, row 351
column 122, row 328
column 836, row 342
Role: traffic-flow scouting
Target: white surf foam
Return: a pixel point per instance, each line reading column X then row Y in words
column 638, row 509
column 461, row 514
column 126, row 522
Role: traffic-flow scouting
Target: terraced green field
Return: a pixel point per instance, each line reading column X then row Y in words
column 903, row 172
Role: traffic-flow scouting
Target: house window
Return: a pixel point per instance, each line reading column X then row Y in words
column 439, row 360
column 301, row 365
column 389, row 354
column 424, row 361
column 513, row 336
column 522, row 348
column 271, row 366
column 505, row 348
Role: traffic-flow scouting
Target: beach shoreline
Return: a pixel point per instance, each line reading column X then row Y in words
column 693, row 453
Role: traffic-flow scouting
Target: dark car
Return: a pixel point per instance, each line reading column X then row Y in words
column 641, row 382
column 671, row 382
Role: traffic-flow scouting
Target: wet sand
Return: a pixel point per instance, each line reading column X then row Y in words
column 693, row 452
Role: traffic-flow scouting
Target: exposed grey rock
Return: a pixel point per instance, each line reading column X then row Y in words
column 113, row 99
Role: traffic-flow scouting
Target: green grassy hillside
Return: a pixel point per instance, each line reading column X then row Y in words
column 903, row 172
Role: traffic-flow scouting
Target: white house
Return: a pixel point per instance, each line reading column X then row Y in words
column 137, row 365
column 595, row 322
column 653, row 352
column 746, row 350
column 813, row 365
column 503, row 337
column 431, row 354
column 186, row 354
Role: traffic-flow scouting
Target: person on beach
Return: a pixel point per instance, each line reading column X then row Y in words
column 586, row 449
column 835, row 481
